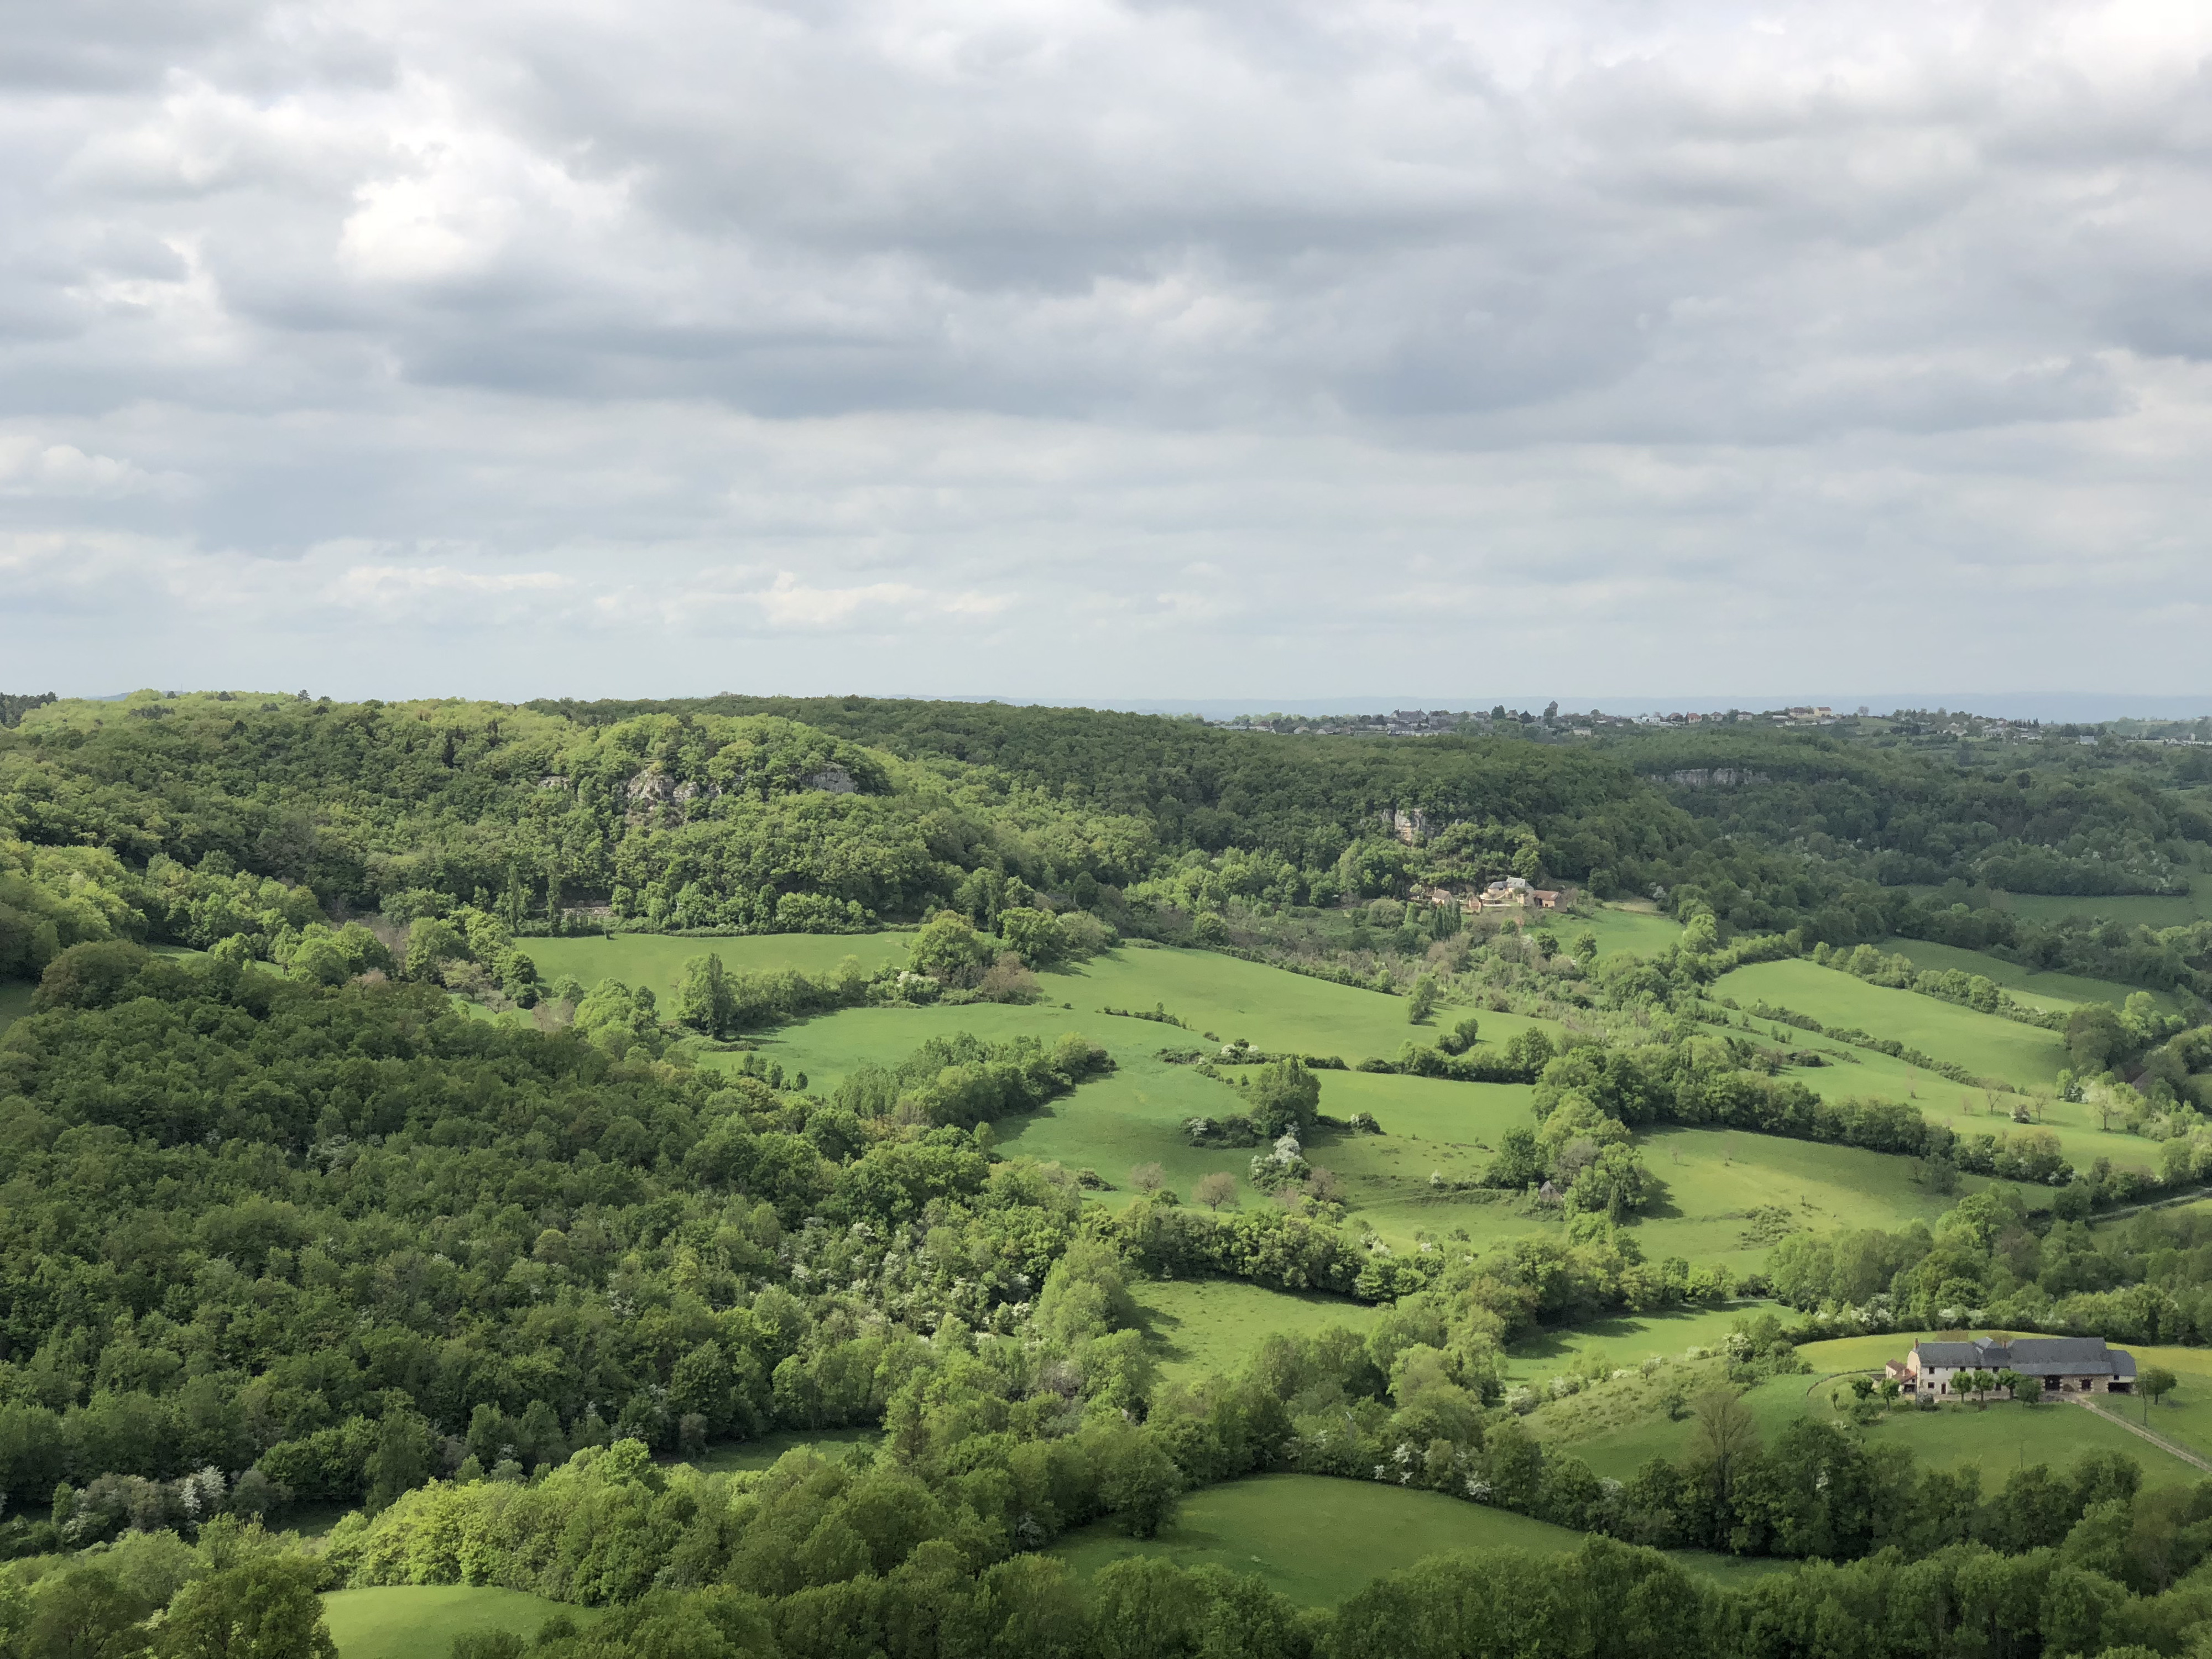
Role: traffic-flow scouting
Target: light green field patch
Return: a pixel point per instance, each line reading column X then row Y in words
column 1207, row 1328
column 2147, row 909
column 1999, row 1438
column 420, row 1621
column 762, row 1454
column 656, row 960
column 1271, row 1008
column 1319, row 1540
column 2183, row 1416
column 1628, row 1340
column 1644, row 932
column 2062, row 992
column 1982, row 1043
column 1862, row 1073
column 1714, row 1178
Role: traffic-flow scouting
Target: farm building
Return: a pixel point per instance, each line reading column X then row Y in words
column 2064, row 1364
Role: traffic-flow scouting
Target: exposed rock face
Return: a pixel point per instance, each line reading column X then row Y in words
column 1409, row 824
column 834, row 779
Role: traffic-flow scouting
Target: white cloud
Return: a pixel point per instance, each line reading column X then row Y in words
column 1137, row 348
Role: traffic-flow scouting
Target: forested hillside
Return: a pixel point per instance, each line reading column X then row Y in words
column 761, row 1178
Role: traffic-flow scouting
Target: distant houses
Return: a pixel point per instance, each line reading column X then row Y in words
column 2064, row 1365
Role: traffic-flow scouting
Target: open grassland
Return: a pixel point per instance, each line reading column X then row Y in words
column 1618, row 927
column 2151, row 910
column 1205, row 1328
column 1714, row 1179
column 1414, row 1181
column 1627, row 1340
column 656, row 960
column 1998, row 1438
column 14, row 1001
column 1982, row 1043
column 420, row 1621
column 1319, row 1540
column 1862, row 1073
column 2184, row 1416
column 1270, row 1007
column 2062, row 992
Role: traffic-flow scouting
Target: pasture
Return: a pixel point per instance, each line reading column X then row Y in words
column 420, row 1621
column 14, row 1000
column 1213, row 1327
column 1626, row 1340
column 2056, row 991
column 1984, row 1044
column 656, row 960
column 1270, row 1007
column 1998, row 1438
column 1319, row 1540
column 2151, row 910
column 2184, row 1416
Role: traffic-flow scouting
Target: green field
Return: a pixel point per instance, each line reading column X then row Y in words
column 1135, row 1115
column 1982, row 1043
column 657, row 961
column 2052, row 991
column 419, row 1621
column 1627, row 1339
column 1318, row 1540
column 2184, row 1416
column 1209, row 1327
column 1999, row 1437
column 1269, row 1008
column 2150, row 910
column 762, row 1454
column 1619, row 928
column 14, row 1001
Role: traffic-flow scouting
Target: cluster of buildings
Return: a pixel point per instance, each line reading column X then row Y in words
column 1513, row 892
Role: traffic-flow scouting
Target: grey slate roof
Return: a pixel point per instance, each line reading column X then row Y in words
column 2032, row 1356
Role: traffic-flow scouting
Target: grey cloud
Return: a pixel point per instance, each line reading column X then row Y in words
column 1258, row 325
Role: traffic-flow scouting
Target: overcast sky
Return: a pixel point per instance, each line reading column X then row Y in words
column 1095, row 351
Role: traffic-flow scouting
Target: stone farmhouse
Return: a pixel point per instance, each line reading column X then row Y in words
column 2065, row 1365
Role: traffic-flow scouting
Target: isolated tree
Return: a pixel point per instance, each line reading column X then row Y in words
column 1285, row 1099
column 1147, row 1177
column 1726, row 1438
column 1214, row 1190
column 1421, row 1000
column 706, row 1001
column 2155, row 1384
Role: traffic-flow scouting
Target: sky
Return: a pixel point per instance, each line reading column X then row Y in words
column 1079, row 351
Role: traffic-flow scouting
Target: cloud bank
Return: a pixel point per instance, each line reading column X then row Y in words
column 1105, row 351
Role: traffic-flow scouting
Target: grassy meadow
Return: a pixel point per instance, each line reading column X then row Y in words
column 1208, row 1327
column 2059, row 992
column 2151, row 910
column 656, row 960
column 1627, row 1339
column 1984, row 1043
column 1616, row 1427
column 14, row 1001
column 1319, row 1540
column 419, row 1621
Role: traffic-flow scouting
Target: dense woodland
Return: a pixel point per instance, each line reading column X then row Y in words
column 283, row 1223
